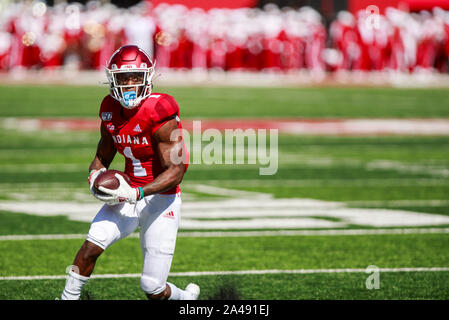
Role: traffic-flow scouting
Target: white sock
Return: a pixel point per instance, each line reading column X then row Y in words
column 176, row 293
column 73, row 286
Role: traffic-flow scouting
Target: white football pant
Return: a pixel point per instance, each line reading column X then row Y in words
column 158, row 217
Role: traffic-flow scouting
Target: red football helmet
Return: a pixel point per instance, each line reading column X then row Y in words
column 130, row 72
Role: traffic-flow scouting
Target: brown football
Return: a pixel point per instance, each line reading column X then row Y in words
column 108, row 180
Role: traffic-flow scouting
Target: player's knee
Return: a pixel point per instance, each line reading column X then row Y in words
column 151, row 285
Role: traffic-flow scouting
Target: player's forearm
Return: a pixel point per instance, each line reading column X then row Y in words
column 167, row 180
column 98, row 163
column 104, row 156
column 95, row 165
column 105, row 151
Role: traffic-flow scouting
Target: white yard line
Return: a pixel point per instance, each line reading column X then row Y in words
column 369, row 182
column 433, row 170
column 43, row 167
column 238, row 272
column 336, row 232
column 42, row 237
column 207, row 189
column 249, row 213
column 400, row 203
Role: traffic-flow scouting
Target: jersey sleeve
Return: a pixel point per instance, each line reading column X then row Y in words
column 165, row 109
column 104, row 107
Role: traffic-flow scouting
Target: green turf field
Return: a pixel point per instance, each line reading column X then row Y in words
column 65, row 101
column 358, row 184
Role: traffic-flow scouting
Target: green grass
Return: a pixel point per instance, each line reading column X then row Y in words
column 208, row 254
column 21, row 224
column 406, row 286
column 345, row 193
column 230, row 102
column 217, row 254
column 328, row 168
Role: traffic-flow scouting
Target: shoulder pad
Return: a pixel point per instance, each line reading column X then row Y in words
column 164, row 108
column 107, row 106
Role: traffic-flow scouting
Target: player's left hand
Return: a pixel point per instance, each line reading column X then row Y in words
column 123, row 193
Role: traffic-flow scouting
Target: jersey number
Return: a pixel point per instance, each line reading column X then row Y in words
column 139, row 171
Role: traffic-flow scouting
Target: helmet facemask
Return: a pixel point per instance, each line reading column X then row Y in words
column 130, row 85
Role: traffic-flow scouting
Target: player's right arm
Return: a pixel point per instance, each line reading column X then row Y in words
column 105, row 151
column 103, row 157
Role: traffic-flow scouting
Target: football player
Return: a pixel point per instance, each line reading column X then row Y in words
column 139, row 125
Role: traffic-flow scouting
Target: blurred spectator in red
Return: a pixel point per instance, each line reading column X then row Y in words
column 75, row 36
column 343, row 36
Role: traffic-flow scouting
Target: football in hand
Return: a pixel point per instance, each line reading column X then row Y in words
column 108, row 180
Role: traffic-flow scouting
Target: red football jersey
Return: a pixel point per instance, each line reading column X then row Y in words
column 133, row 137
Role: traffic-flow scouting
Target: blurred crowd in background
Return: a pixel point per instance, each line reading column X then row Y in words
column 74, row 36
